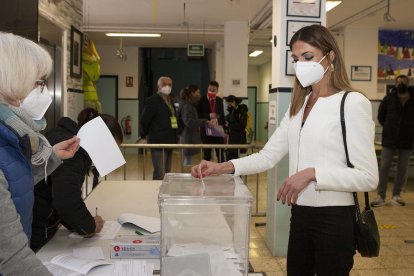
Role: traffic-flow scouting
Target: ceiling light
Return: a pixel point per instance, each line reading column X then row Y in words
column 332, row 4
column 132, row 35
column 255, row 53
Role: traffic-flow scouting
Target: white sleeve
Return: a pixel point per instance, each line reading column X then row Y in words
column 267, row 158
column 360, row 132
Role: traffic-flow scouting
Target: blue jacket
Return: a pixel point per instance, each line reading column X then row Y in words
column 15, row 154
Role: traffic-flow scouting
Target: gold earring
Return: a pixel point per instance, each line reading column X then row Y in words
column 332, row 67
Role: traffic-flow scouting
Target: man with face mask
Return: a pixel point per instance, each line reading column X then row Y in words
column 396, row 115
column 211, row 107
column 159, row 126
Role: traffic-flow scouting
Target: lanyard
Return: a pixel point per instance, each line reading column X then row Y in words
column 212, row 105
column 168, row 103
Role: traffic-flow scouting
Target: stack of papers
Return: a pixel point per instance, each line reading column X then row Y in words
column 149, row 224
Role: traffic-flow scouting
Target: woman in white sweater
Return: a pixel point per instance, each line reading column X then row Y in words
column 320, row 184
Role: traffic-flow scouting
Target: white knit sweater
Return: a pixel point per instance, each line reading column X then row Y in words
column 318, row 144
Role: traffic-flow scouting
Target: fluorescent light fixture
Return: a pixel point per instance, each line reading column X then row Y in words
column 132, row 35
column 255, row 53
column 332, row 4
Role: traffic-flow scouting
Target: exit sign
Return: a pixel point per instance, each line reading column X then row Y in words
column 195, row 50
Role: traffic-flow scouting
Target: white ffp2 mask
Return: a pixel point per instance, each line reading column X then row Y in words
column 166, row 90
column 37, row 102
column 309, row 72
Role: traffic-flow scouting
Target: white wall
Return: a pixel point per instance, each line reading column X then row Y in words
column 112, row 65
column 261, row 77
column 360, row 48
column 253, row 72
column 265, row 77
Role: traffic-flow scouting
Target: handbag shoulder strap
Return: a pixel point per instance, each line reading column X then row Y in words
column 348, row 162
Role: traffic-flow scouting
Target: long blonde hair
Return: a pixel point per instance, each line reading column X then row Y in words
column 319, row 37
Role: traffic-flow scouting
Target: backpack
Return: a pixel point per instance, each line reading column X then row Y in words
column 249, row 130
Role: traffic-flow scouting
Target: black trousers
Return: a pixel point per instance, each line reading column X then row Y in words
column 321, row 241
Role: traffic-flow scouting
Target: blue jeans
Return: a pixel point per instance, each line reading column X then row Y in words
column 387, row 155
column 161, row 162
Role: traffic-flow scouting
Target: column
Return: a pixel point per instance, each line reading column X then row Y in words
column 236, row 40
column 278, row 215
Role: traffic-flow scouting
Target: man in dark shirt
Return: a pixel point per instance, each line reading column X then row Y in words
column 396, row 115
column 159, row 126
column 211, row 107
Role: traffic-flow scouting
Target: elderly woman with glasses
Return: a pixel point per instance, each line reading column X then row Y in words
column 26, row 156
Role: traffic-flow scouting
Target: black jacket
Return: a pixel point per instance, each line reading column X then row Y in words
column 59, row 200
column 204, row 110
column 237, row 121
column 156, row 122
column 397, row 122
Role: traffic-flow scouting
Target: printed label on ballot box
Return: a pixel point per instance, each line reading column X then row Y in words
column 135, row 247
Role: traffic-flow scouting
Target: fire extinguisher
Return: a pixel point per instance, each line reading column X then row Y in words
column 126, row 124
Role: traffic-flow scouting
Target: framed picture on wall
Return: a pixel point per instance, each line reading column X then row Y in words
column 292, row 26
column 361, row 73
column 304, row 8
column 75, row 53
column 289, row 70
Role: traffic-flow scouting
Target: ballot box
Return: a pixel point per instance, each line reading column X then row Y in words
column 204, row 225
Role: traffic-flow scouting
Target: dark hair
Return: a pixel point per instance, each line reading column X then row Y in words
column 86, row 115
column 113, row 126
column 214, row 83
column 402, row 77
column 89, row 113
column 232, row 99
column 186, row 93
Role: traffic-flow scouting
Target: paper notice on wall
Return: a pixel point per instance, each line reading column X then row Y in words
column 101, row 146
column 272, row 112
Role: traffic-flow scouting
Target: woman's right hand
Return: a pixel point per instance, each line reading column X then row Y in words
column 207, row 168
column 99, row 222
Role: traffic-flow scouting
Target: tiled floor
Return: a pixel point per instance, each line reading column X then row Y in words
column 396, row 227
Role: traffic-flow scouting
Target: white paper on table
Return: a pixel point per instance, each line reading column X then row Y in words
column 149, row 224
column 100, row 145
column 93, row 252
column 109, row 231
column 57, row 270
column 132, row 268
column 79, row 265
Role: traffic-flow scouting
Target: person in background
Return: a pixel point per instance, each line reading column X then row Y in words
column 396, row 116
column 211, row 107
column 58, row 200
column 236, row 122
column 159, row 126
column 320, row 184
column 26, row 156
column 189, row 123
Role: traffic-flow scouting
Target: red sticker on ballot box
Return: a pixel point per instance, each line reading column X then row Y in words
column 116, row 248
column 136, row 241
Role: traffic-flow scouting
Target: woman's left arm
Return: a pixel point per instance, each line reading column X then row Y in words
column 360, row 132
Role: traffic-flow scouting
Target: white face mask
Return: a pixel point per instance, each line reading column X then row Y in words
column 37, row 102
column 309, row 72
column 166, row 90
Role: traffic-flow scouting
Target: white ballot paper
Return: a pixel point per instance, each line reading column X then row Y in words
column 108, row 232
column 93, row 252
column 99, row 143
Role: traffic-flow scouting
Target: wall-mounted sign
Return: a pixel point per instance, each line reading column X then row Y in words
column 195, row 50
column 272, row 112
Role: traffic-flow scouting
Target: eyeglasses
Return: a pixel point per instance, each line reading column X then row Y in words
column 40, row 83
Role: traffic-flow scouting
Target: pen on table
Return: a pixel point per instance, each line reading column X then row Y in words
column 139, row 233
column 96, row 211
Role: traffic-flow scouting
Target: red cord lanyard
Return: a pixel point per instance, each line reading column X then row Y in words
column 212, row 105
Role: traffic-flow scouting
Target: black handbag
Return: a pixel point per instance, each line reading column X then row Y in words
column 366, row 230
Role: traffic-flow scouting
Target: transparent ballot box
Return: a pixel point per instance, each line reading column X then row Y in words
column 204, row 231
